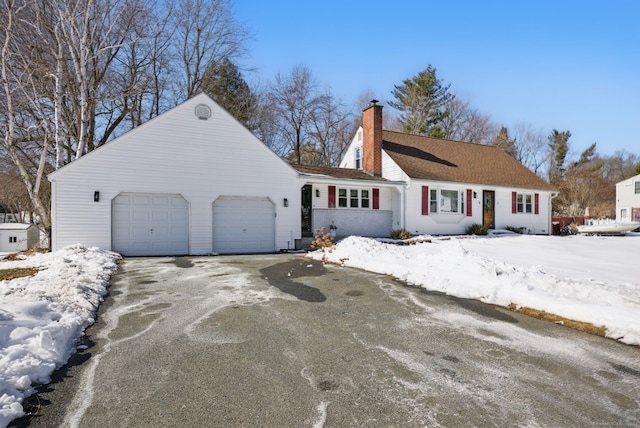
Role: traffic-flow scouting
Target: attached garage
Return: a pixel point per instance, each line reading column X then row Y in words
column 161, row 189
column 243, row 225
column 150, row 224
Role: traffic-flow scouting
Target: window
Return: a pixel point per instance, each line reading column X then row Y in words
column 623, row 213
column 449, row 201
column 433, row 201
column 637, row 187
column 342, row 198
column 525, row 203
column 354, row 198
column 13, row 239
column 446, row 201
column 364, row 198
column 358, row 157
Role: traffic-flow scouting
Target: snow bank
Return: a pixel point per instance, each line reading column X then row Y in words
column 42, row 317
column 456, row 266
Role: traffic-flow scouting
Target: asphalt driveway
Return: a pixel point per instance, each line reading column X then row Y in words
column 280, row 340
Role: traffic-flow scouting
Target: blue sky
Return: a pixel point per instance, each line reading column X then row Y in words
column 569, row 65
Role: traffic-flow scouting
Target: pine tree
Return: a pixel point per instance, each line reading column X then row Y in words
column 505, row 142
column 422, row 101
column 224, row 83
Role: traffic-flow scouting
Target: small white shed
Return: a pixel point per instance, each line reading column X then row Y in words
column 15, row 237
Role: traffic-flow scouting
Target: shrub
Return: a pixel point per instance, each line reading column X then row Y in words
column 323, row 239
column 519, row 230
column 400, row 234
column 477, row 229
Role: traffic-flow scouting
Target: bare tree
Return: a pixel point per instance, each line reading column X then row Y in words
column 205, row 33
column 18, row 89
column 331, row 131
column 463, row 123
column 295, row 99
column 531, row 147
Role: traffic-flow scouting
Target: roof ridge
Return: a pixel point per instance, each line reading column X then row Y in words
column 439, row 139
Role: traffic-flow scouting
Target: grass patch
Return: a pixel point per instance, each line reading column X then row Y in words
column 576, row 325
column 8, row 274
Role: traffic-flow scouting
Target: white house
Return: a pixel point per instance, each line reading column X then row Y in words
column 190, row 181
column 628, row 199
column 195, row 181
column 450, row 185
column 15, row 237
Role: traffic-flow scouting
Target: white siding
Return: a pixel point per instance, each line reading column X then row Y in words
column 391, row 170
column 450, row 224
column 356, row 221
column 626, row 198
column 349, row 159
column 179, row 154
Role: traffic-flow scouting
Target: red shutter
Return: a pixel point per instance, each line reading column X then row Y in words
column 425, row 200
column 514, row 202
column 536, row 201
column 469, row 202
column 332, row 196
column 376, row 199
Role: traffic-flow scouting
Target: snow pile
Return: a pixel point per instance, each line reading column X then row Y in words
column 587, row 279
column 42, row 317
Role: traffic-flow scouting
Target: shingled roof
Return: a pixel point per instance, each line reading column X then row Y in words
column 348, row 173
column 446, row 160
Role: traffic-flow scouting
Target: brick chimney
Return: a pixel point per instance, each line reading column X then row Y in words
column 372, row 139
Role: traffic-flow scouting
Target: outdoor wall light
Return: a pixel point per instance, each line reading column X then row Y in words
column 286, row 202
column 475, row 195
column 96, row 196
column 317, row 193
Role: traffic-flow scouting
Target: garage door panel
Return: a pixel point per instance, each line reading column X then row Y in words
column 243, row 225
column 150, row 224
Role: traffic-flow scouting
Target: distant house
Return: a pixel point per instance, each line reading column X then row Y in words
column 195, row 181
column 628, row 199
column 16, row 237
column 449, row 185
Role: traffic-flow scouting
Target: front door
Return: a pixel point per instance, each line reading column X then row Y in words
column 307, row 229
column 489, row 204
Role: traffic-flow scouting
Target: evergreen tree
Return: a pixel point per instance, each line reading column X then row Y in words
column 224, row 83
column 558, row 147
column 505, row 142
column 422, row 103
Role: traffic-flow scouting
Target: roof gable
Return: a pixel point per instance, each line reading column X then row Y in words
column 181, row 141
column 427, row 158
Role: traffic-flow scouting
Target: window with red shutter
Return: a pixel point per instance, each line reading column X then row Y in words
column 469, row 202
column 376, row 199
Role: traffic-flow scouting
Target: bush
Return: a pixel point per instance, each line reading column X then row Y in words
column 400, row 234
column 519, row 230
column 323, row 239
column 477, row 229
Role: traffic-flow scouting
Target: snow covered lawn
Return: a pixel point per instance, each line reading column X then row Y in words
column 584, row 278
column 42, row 317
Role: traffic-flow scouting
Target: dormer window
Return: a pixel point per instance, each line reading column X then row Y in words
column 358, row 157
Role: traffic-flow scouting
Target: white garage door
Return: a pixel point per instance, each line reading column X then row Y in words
column 243, row 225
column 150, row 224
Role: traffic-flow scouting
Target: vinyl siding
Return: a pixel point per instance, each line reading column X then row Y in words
column 175, row 153
column 450, row 224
